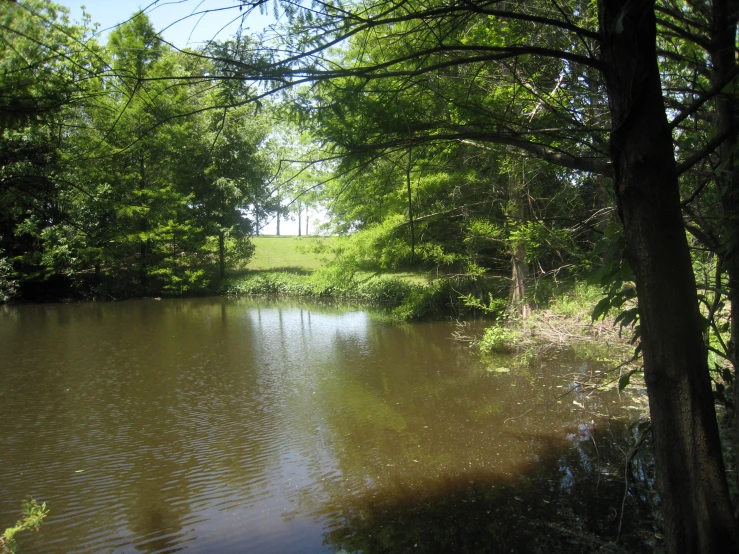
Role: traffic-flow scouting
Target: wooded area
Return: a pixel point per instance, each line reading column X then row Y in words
column 528, row 140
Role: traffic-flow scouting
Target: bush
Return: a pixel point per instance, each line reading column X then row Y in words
column 437, row 300
column 404, row 299
column 8, row 280
column 388, row 292
column 33, row 514
column 498, row 339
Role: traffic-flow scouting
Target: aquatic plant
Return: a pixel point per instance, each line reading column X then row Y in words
column 33, row 514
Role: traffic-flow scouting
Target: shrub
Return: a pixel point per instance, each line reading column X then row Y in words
column 388, row 292
column 8, row 280
column 498, row 339
column 33, row 514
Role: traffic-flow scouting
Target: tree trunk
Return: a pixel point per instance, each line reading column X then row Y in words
column 222, row 255
column 408, row 169
column 307, row 221
column 520, row 280
column 143, row 225
column 300, row 216
column 278, row 223
column 520, row 267
column 690, row 472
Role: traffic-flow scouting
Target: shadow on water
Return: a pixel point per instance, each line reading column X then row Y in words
column 567, row 500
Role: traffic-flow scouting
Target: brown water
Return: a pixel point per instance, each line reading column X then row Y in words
column 226, row 426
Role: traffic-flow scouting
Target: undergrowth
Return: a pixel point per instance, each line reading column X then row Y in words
column 402, row 298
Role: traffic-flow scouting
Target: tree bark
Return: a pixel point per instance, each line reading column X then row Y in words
column 690, row 472
column 143, row 225
column 222, row 255
column 520, row 267
column 408, row 168
column 520, row 278
column 278, row 223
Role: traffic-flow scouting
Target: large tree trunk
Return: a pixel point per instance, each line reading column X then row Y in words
column 690, row 472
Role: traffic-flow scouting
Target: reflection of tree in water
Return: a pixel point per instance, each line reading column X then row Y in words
column 160, row 504
column 567, row 501
column 196, row 411
column 188, row 415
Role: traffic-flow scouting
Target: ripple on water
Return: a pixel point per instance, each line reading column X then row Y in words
column 223, row 426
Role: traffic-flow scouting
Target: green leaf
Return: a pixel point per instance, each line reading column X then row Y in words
column 601, row 308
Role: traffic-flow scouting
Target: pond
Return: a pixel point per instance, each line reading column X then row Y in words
column 235, row 425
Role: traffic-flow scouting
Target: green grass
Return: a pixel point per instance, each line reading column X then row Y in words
column 296, row 255
column 296, row 266
column 288, row 254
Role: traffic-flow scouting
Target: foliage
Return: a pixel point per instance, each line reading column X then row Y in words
column 495, row 307
column 577, row 302
column 403, row 299
column 8, row 280
column 386, row 291
column 33, row 514
column 498, row 339
column 616, row 278
column 116, row 171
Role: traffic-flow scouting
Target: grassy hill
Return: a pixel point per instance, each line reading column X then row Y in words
column 295, row 254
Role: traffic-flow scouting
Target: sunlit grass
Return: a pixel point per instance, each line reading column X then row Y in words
column 300, row 255
column 289, row 253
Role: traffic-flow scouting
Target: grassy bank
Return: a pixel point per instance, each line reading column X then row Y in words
column 289, row 254
column 302, row 267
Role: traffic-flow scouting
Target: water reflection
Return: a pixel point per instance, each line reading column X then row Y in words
column 217, row 425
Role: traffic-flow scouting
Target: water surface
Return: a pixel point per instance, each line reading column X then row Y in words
column 220, row 425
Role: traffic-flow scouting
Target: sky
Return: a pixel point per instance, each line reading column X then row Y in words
column 185, row 23
column 181, row 22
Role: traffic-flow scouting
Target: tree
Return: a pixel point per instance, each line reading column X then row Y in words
column 45, row 63
column 233, row 167
column 162, row 187
column 687, row 448
column 697, row 508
